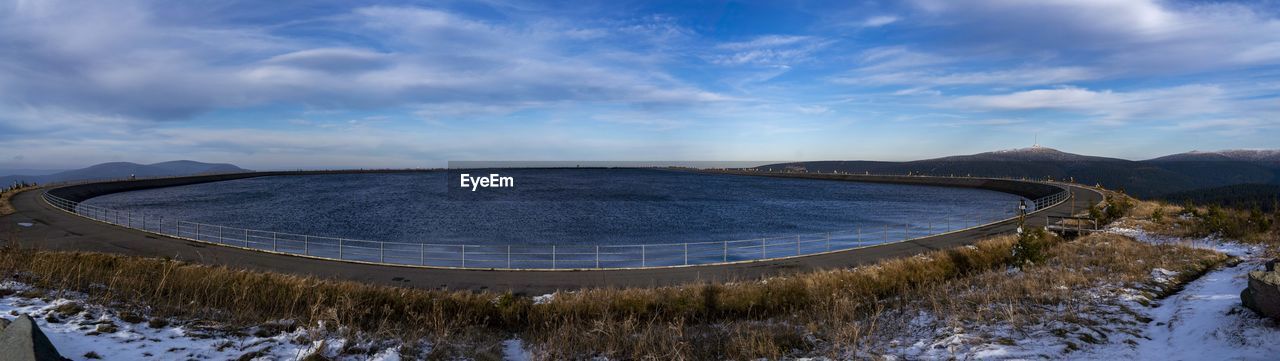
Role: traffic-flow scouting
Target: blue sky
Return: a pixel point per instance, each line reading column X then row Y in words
column 280, row 84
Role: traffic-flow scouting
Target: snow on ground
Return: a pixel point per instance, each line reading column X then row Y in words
column 79, row 334
column 1204, row 321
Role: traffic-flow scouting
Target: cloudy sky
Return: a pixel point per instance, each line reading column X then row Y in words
column 279, row 84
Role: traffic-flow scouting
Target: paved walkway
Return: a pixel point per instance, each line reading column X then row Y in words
column 50, row 228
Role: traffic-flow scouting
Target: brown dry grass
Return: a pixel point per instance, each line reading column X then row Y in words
column 6, row 208
column 1064, row 281
column 668, row 322
column 1178, row 220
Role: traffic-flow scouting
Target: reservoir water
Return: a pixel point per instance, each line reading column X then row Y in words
column 567, row 207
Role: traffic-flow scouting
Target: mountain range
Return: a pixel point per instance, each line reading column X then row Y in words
column 1152, row 178
column 125, row 170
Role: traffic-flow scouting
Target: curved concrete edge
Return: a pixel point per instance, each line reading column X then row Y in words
column 1024, row 188
column 55, row 229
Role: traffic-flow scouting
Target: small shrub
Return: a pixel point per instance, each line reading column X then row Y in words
column 1158, row 215
column 1030, row 247
column 1259, row 221
column 1189, row 209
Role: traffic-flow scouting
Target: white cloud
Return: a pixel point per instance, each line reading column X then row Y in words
column 894, row 57
column 1140, row 36
column 769, row 50
column 813, row 109
column 878, row 21
column 1019, row 76
column 1109, row 106
column 120, row 59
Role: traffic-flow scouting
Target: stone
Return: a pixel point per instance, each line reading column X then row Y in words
column 4, row 322
column 1263, row 294
column 1271, row 265
column 22, row 340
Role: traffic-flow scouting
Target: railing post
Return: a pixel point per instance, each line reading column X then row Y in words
column 764, row 249
column 464, row 256
column 797, row 245
column 220, row 239
column 382, row 252
column 828, row 241
column 686, row 253
column 553, row 256
column 306, row 245
column 508, row 256
column 726, row 252
column 197, row 231
column 642, row 256
column 340, row 249
column 246, row 238
column 275, row 242
column 597, row 256
column 422, row 254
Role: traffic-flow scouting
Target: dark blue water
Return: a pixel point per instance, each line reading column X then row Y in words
column 561, row 206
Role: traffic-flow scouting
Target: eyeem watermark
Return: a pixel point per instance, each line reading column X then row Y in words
column 494, row 180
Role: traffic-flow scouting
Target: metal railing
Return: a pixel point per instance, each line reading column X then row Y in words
column 555, row 257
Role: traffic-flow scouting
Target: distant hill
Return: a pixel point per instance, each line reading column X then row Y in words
column 1032, row 154
column 1149, row 178
column 1240, row 196
column 126, row 169
column 1240, row 155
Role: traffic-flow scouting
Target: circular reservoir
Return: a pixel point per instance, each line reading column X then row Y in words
column 575, row 208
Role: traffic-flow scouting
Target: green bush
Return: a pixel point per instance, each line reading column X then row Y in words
column 1259, row 221
column 1030, row 247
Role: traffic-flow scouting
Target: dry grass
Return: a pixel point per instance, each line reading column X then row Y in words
column 1062, row 283
column 1179, row 220
column 6, row 208
column 164, row 288
column 694, row 321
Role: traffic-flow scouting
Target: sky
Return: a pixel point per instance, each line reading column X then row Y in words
column 354, row 84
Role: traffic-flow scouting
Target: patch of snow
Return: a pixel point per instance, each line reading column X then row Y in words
column 544, row 299
column 514, row 350
column 25, row 224
column 1161, row 275
column 75, row 335
column 1204, row 321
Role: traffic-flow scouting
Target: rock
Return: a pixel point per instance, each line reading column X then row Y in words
column 1271, row 265
column 1263, row 294
column 22, row 340
column 4, row 322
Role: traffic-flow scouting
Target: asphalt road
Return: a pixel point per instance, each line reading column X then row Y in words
column 54, row 229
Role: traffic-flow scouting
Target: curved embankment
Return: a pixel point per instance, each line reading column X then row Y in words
column 82, row 192
column 1026, row 189
column 53, row 228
